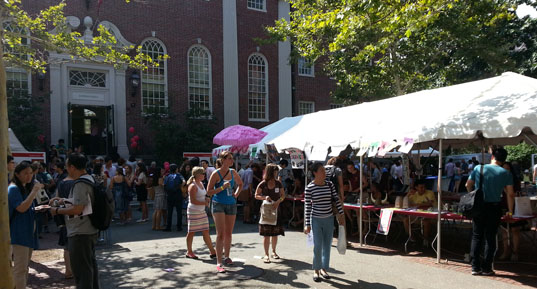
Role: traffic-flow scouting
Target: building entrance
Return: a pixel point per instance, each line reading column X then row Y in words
column 92, row 129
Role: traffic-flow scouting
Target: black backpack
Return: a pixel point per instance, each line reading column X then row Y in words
column 102, row 205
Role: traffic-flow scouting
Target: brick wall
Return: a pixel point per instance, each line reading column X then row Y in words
column 179, row 25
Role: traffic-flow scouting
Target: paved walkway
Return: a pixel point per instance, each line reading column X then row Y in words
column 141, row 258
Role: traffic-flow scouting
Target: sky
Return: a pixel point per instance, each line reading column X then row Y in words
column 524, row 10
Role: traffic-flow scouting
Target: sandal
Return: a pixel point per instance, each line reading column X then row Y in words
column 266, row 259
column 275, row 256
column 316, row 278
column 192, row 256
column 324, row 275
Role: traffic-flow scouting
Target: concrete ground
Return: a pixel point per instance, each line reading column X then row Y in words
column 141, row 258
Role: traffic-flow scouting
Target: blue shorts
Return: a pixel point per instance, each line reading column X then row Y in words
column 229, row 210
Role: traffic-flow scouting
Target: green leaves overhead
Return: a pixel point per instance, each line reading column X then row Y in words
column 382, row 48
column 48, row 32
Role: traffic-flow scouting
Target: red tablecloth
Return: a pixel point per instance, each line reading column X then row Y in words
column 365, row 207
column 291, row 198
column 453, row 216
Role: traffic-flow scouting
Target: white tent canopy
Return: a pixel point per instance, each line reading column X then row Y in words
column 14, row 143
column 497, row 110
column 273, row 130
column 501, row 109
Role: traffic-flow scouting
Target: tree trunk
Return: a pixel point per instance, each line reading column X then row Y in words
column 5, row 241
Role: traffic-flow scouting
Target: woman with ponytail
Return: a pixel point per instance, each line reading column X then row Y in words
column 22, row 223
column 197, row 217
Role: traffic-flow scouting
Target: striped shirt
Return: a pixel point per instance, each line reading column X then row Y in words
column 318, row 201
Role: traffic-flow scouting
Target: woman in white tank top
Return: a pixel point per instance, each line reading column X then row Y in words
column 197, row 217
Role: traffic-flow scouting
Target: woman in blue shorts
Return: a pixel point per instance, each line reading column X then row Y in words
column 224, row 207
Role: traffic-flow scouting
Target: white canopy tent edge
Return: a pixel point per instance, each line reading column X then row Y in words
column 497, row 110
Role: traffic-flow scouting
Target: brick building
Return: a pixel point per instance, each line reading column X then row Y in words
column 214, row 64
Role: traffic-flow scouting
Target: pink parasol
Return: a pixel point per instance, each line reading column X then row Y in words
column 239, row 136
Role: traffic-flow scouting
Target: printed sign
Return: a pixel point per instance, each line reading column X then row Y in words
column 385, row 221
column 363, row 149
column 297, row 158
column 406, row 146
column 253, row 155
column 273, row 156
column 373, row 149
column 382, row 149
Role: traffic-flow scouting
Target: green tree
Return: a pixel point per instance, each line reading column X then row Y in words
column 34, row 57
column 382, row 48
column 24, row 114
column 521, row 153
column 171, row 138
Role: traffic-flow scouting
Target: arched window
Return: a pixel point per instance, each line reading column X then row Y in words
column 199, row 79
column 257, row 88
column 154, row 79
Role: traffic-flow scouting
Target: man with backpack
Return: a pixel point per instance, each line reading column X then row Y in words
column 174, row 195
column 86, row 212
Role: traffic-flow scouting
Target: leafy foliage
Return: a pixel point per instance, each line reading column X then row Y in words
column 24, row 113
column 383, row 48
column 37, row 28
column 171, row 138
column 521, row 153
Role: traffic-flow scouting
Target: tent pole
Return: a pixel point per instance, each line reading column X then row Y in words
column 361, row 199
column 438, row 225
column 305, row 181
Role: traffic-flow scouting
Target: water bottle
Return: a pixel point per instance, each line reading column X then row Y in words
column 229, row 190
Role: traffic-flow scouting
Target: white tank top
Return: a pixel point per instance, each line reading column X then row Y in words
column 199, row 196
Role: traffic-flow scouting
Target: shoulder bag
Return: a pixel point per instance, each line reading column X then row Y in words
column 471, row 204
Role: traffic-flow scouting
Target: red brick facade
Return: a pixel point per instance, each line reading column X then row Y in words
column 179, row 25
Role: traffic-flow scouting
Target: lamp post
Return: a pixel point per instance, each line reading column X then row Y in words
column 135, row 82
column 41, row 75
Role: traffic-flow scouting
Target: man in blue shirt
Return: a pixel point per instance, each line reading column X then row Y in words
column 485, row 226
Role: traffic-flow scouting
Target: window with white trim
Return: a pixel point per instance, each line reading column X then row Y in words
column 154, row 79
column 305, row 67
column 305, row 107
column 257, row 88
column 18, row 82
column 257, row 5
column 336, row 105
column 199, row 79
column 87, row 78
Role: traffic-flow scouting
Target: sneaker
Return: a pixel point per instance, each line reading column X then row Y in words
column 488, row 273
column 220, row 268
column 476, row 272
column 212, row 256
column 140, row 220
column 228, row 261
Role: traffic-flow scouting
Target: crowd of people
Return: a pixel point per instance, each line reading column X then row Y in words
column 63, row 191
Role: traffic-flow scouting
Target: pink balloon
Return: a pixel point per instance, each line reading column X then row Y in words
column 134, row 145
column 136, row 138
column 131, row 129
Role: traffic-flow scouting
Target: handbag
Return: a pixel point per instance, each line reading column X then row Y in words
column 471, row 204
column 269, row 215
